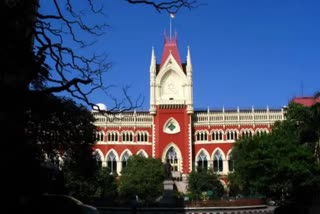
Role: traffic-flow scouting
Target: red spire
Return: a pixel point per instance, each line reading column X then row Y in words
column 170, row 46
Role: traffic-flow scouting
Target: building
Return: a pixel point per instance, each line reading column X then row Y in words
column 172, row 129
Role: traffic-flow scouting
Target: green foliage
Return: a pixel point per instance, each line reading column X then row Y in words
column 142, row 177
column 203, row 181
column 307, row 121
column 58, row 124
column 277, row 163
column 101, row 185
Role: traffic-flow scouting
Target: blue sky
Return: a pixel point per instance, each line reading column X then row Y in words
column 244, row 52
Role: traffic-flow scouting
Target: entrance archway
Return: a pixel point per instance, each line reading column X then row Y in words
column 172, row 155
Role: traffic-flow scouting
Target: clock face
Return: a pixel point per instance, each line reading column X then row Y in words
column 171, row 88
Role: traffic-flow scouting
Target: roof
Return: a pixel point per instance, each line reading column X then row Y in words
column 170, row 46
column 306, row 101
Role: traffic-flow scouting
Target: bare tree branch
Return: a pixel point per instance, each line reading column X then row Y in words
column 62, row 31
column 171, row 6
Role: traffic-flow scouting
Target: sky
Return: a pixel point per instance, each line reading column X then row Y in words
column 244, row 52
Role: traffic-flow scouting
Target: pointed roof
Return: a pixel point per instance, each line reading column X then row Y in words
column 306, row 101
column 170, row 47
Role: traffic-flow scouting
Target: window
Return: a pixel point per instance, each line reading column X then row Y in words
column 97, row 157
column 232, row 135
column 112, row 162
column 127, row 136
column 142, row 154
column 202, row 136
column 217, row 162
column 171, row 126
column 202, row 161
column 99, row 136
column 124, row 160
column 112, row 136
column 217, row 135
column 142, row 136
column 246, row 133
column 172, row 158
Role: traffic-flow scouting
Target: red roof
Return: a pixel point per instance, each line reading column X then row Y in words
column 306, row 101
column 170, row 46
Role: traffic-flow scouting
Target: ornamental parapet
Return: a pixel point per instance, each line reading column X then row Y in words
column 123, row 118
column 238, row 117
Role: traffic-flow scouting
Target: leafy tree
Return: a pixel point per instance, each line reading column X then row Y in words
column 276, row 164
column 62, row 129
column 307, row 120
column 99, row 187
column 66, row 129
column 203, row 181
column 142, row 177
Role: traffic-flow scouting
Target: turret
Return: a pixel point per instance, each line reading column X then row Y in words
column 153, row 67
column 189, row 64
column 189, row 100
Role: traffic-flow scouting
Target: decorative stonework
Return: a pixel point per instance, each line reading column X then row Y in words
column 171, row 126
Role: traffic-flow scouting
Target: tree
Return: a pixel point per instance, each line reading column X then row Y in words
column 101, row 187
column 57, row 128
column 142, row 177
column 307, row 120
column 203, row 181
column 36, row 58
column 276, row 164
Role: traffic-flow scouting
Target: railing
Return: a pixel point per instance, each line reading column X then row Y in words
column 130, row 118
column 230, row 117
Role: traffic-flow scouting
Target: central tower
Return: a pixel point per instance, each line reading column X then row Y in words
column 171, row 103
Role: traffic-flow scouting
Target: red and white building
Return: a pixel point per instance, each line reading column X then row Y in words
column 172, row 129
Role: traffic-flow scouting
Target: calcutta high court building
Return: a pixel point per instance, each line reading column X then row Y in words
column 172, row 129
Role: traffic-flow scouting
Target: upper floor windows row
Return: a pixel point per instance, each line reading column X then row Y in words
column 230, row 134
column 125, row 136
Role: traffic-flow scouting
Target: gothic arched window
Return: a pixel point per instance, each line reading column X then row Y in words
column 202, row 161
column 112, row 162
column 217, row 162
column 172, row 158
column 124, row 160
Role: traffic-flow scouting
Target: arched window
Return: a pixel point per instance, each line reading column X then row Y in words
column 216, row 135
column 124, row 160
column 112, row 136
column 246, row 133
column 201, row 136
column 217, row 162
column 97, row 158
column 198, row 136
column 145, row 137
column 202, row 161
column 142, row 154
column 99, row 136
column 172, row 158
column 112, row 162
column 142, row 136
column 232, row 135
